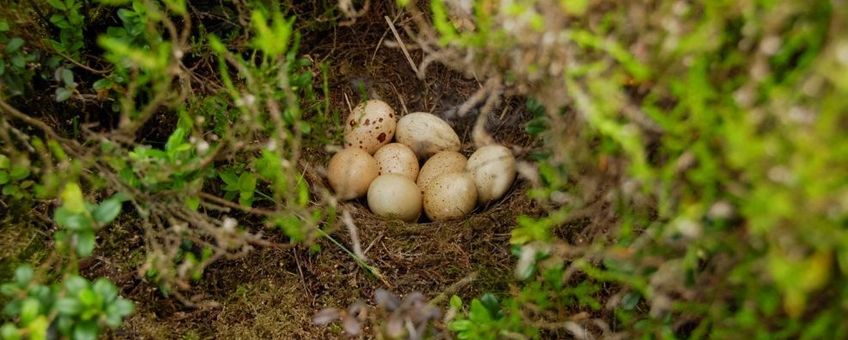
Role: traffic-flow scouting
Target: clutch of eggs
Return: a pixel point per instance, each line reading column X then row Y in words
column 447, row 185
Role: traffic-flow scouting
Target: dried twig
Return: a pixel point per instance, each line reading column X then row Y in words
column 403, row 48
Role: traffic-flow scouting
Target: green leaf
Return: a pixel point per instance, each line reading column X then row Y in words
column 68, row 306
column 14, row 44
column 10, row 332
column 9, row 289
column 30, row 310
column 107, row 210
column 88, row 298
column 122, row 307
column 72, row 221
column 19, row 61
column 175, row 139
column 460, row 325
column 20, row 171
column 23, row 275
column 68, row 77
column 75, row 284
column 105, row 289
column 72, row 198
column 4, row 162
column 102, row 84
column 247, row 182
column 492, row 305
column 456, row 302
column 4, row 177
column 230, row 179
column 85, row 243
column 57, row 4
column 630, row 301
column 86, row 330
column 4, row 26
column 62, row 94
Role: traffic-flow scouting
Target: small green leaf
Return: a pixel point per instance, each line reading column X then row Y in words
column 247, row 182
column 10, row 332
column 630, row 300
column 4, row 162
column 107, row 211
column 85, row 243
column 68, row 77
column 122, row 307
column 230, row 179
column 68, row 306
column 72, row 221
column 14, row 44
column 75, row 284
column 57, row 4
column 86, row 330
column 72, row 198
column 29, row 310
column 23, row 275
column 20, row 171
column 105, row 289
column 102, row 84
column 456, row 302
column 88, row 298
column 62, row 94
column 4, row 177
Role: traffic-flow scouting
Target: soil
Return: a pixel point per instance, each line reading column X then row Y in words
column 273, row 293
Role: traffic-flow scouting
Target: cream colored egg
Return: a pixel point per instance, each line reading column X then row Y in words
column 371, row 125
column 350, row 173
column 426, row 134
column 450, row 196
column 444, row 162
column 396, row 158
column 493, row 170
column 395, row 196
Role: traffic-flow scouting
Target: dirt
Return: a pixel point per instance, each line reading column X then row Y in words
column 273, row 293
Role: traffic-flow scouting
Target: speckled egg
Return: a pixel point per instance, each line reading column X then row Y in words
column 350, row 172
column 395, row 196
column 426, row 134
column 493, row 169
column 396, row 158
column 441, row 163
column 450, row 196
column 371, row 125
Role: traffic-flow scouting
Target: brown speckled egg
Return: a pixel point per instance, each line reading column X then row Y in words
column 395, row 196
column 493, row 169
column 426, row 134
column 371, row 125
column 396, row 158
column 450, row 196
column 350, row 173
column 441, row 163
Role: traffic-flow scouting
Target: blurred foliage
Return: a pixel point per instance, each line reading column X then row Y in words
column 229, row 146
column 720, row 127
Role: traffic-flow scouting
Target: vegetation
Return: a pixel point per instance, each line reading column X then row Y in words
column 683, row 168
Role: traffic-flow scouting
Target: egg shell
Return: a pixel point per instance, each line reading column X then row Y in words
column 371, row 125
column 450, row 196
column 444, row 162
column 396, row 158
column 426, row 134
column 395, row 196
column 493, row 170
column 350, row 172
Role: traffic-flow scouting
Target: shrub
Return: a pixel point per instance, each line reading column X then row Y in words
column 693, row 162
